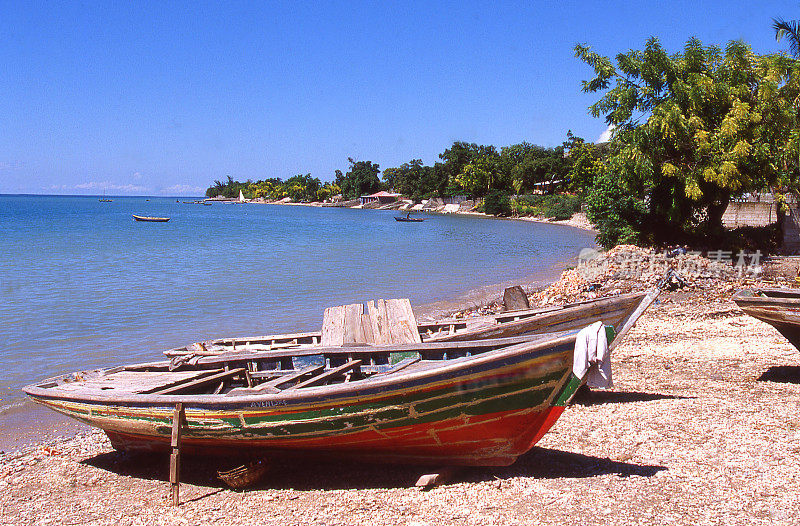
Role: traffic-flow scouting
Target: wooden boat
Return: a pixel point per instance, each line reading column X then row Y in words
column 151, row 219
column 531, row 321
column 481, row 402
column 410, row 219
column 778, row 307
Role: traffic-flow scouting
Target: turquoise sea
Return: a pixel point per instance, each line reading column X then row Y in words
column 83, row 286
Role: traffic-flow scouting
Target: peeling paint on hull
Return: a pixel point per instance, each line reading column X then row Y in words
column 485, row 412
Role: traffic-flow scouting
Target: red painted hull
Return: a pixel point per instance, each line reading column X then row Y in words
column 496, row 439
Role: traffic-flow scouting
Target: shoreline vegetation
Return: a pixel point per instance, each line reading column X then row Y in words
column 642, row 451
column 576, row 219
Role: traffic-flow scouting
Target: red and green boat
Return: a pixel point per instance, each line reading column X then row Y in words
column 481, row 402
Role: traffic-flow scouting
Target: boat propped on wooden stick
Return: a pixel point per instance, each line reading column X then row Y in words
column 481, row 402
column 778, row 307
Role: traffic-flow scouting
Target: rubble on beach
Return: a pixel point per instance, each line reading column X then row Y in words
column 628, row 268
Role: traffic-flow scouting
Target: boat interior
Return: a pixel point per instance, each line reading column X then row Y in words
column 250, row 372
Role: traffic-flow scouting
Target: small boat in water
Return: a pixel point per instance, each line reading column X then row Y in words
column 409, row 219
column 778, row 307
column 481, row 402
column 151, row 219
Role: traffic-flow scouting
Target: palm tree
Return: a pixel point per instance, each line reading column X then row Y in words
column 790, row 30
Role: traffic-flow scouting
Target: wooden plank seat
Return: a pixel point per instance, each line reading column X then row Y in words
column 352, row 365
column 218, row 377
column 276, row 383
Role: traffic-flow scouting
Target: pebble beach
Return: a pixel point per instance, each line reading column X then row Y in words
column 700, row 428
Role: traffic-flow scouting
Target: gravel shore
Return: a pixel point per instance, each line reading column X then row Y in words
column 701, row 428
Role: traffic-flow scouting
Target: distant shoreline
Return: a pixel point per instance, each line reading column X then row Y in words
column 578, row 220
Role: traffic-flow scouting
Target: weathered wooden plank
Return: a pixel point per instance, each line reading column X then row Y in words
column 175, row 380
column 402, row 323
column 402, row 364
column 277, row 382
column 331, row 373
column 376, row 310
column 333, row 326
column 202, row 381
column 353, row 333
column 366, row 327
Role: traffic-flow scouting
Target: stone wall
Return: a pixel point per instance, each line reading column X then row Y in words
column 749, row 213
column 791, row 232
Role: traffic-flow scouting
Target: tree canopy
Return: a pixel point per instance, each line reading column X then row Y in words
column 691, row 130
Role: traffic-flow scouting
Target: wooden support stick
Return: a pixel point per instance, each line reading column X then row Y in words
column 175, row 456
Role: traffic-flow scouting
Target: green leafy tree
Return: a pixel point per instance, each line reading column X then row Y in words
column 470, row 169
column 693, row 129
column 497, row 203
column 361, row 179
column 585, row 163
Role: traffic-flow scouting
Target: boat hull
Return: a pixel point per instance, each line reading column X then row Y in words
column 777, row 307
column 483, row 411
column 151, row 219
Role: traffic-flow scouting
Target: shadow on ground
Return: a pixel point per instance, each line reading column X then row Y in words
column 586, row 396
column 785, row 374
column 324, row 474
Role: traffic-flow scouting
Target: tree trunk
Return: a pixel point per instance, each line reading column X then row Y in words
column 716, row 209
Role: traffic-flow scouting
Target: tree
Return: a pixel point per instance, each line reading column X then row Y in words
column 789, row 29
column 361, row 179
column 694, row 129
column 585, row 163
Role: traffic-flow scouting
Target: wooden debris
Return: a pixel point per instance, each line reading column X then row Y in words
column 245, row 475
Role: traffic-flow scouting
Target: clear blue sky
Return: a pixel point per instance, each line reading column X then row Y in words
column 163, row 98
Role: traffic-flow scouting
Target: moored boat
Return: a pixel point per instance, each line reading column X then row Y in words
column 778, row 307
column 481, row 402
column 151, row 219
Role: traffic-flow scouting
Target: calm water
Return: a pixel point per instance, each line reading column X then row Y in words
column 82, row 285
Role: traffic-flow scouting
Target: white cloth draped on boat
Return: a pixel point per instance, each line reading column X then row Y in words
column 592, row 357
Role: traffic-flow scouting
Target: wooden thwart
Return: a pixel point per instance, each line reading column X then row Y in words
column 277, row 382
column 331, row 373
column 201, row 381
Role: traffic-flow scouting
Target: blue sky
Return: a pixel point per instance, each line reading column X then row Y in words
column 163, row 98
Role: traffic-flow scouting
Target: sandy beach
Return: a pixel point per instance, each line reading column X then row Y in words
column 700, row 428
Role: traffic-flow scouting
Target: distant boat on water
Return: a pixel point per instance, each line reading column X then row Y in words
column 104, row 200
column 409, row 219
column 151, row 219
